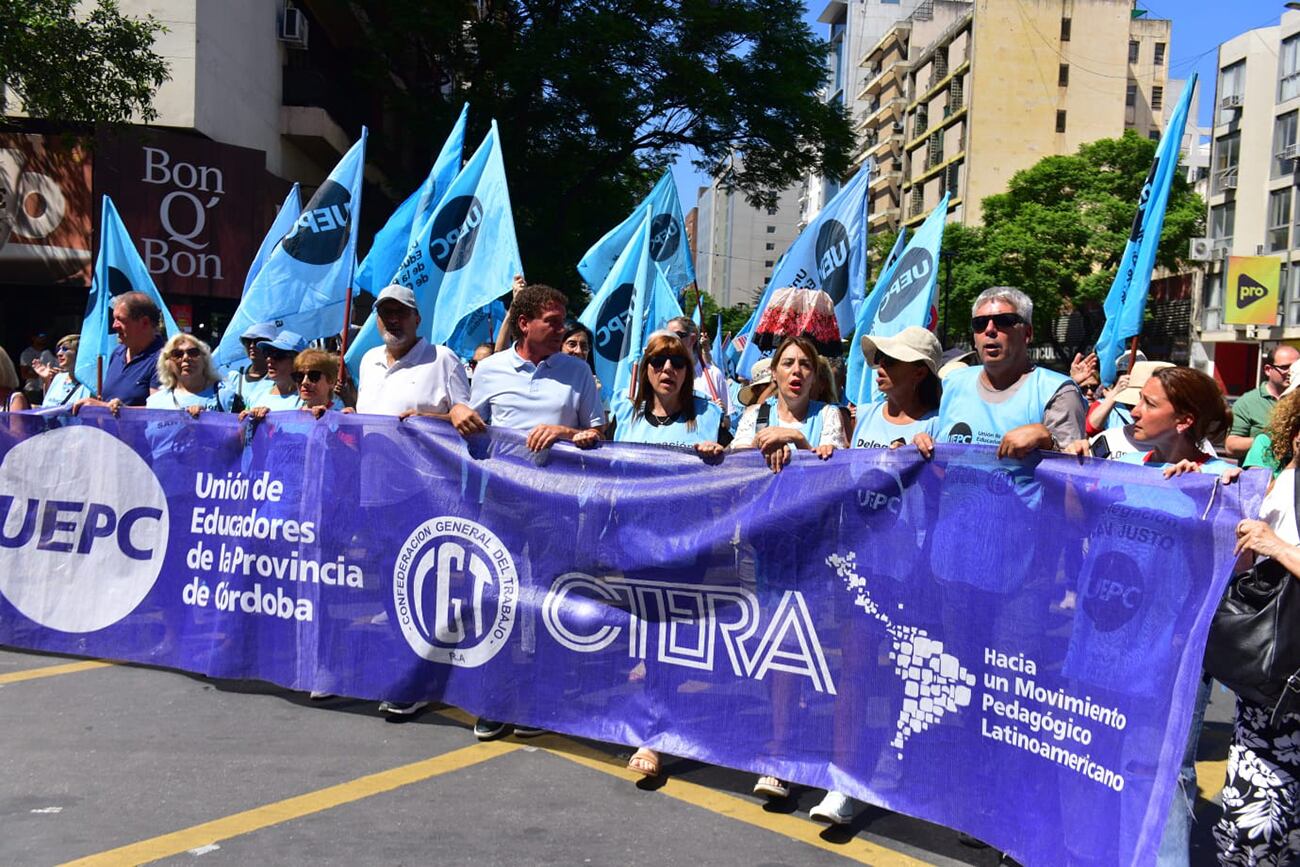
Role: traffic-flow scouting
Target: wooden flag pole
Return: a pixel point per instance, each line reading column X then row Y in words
column 99, row 378
column 347, row 332
column 1132, row 354
column 703, row 350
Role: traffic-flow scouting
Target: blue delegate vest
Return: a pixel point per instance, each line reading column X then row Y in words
column 965, row 417
column 632, row 428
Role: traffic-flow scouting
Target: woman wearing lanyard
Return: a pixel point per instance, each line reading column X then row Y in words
column 907, row 374
column 666, row 412
column 188, row 376
column 283, row 393
column 798, row 411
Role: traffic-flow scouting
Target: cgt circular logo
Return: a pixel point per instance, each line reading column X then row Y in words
column 456, row 592
column 83, row 529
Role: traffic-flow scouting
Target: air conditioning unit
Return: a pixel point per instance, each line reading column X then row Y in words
column 1290, row 152
column 1201, row 250
column 1229, row 181
column 1230, row 101
column 293, row 26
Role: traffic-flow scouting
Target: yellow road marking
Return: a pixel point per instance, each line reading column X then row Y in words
column 1210, row 778
column 741, row 810
column 294, row 808
column 50, row 671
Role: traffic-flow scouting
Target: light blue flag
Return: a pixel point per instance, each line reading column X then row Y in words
column 481, row 326
column 610, row 311
column 855, row 370
column 394, row 240
column 654, row 303
column 303, row 285
column 230, row 352
column 697, row 311
column 467, row 255
column 118, row 270
column 830, row 255
column 1127, row 300
column 716, row 353
column 668, row 247
column 908, row 296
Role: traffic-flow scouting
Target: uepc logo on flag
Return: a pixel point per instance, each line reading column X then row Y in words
column 320, row 234
column 83, row 529
column 456, row 592
column 455, row 228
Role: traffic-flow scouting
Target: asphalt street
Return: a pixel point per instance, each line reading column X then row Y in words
column 108, row 764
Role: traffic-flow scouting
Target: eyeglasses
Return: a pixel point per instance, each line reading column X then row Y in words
column 1281, row 368
column 279, row 354
column 189, row 352
column 658, row 361
column 312, row 376
column 1003, row 321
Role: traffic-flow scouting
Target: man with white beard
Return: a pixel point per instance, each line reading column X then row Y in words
column 407, row 376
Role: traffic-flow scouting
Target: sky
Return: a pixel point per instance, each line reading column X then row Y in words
column 1199, row 27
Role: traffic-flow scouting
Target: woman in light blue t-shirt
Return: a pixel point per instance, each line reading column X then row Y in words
column 188, row 376
column 666, row 411
column 283, row 393
column 907, row 375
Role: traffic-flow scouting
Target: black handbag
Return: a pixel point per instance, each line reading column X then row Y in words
column 1254, row 642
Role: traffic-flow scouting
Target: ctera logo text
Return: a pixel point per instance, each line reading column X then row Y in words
column 83, row 559
column 455, row 591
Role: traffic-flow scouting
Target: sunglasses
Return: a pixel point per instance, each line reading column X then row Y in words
column 190, row 352
column 883, row 360
column 677, row 361
column 63, row 347
column 682, row 335
column 312, row 376
column 279, row 354
column 1003, row 321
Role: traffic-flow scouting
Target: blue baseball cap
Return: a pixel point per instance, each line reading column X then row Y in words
column 260, row 331
column 285, row 341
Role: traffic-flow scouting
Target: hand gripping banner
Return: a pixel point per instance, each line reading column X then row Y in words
column 1010, row 649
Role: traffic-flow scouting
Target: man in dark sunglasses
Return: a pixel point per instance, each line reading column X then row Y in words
column 1007, row 401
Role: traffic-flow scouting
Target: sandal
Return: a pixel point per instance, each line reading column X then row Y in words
column 772, row 787
column 645, row 762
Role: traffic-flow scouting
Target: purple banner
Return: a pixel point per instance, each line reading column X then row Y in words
column 1006, row 648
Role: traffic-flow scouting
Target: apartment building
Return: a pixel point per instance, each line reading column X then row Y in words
column 738, row 245
column 1251, row 207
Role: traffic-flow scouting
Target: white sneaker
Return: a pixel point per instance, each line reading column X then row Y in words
column 836, row 808
column 402, row 708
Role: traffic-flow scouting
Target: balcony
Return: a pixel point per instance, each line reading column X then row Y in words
column 888, row 109
column 885, row 179
column 884, row 217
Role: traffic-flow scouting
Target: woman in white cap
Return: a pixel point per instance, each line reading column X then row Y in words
column 907, row 374
column 283, row 393
column 795, row 414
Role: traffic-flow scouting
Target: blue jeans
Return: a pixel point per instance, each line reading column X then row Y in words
column 1175, row 845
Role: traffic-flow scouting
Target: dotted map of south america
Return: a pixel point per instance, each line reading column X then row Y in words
column 934, row 682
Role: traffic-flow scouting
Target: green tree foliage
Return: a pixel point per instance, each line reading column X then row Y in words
column 98, row 66
column 1059, row 230
column 594, row 98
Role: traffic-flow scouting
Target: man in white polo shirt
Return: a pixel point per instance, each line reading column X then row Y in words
column 534, row 386
column 407, row 376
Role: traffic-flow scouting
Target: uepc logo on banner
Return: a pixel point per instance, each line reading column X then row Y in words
column 456, row 592
column 84, row 558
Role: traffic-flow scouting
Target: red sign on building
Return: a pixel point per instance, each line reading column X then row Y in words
column 45, row 211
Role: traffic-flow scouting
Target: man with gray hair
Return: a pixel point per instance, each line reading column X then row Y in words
column 131, row 374
column 1006, row 401
column 709, row 381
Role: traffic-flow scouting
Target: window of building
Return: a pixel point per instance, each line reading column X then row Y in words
column 771, row 230
column 1160, row 54
column 767, row 263
column 1288, row 69
column 1132, row 51
column 769, row 246
column 1284, row 141
column 771, row 212
column 1232, row 83
column 1222, row 218
column 1131, row 95
column 837, row 60
column 1063, row 77
column 1153, row 134
column 1227, row 151
column 1279, row 220
column 1060, row 121
column 1065, row 29
column 1157, row 98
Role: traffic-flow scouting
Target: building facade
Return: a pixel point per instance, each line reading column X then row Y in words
column 1251, row 198
column 738, row 245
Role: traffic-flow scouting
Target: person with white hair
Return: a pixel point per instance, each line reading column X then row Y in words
column 1006, row 400
column 188, row 376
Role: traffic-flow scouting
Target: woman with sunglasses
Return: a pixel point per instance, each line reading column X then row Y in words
column 188, row 376
column 316, row 372
column 283, row 393
column 797, row 412
column 907, row 374
column 64, row 387
column 666, row 410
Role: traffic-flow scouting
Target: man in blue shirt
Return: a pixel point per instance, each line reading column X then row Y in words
column 131, row 374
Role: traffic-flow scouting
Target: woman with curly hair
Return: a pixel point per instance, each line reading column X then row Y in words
column 1261, row 796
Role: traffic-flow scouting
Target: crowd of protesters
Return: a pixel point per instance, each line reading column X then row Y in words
column 539, row 378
